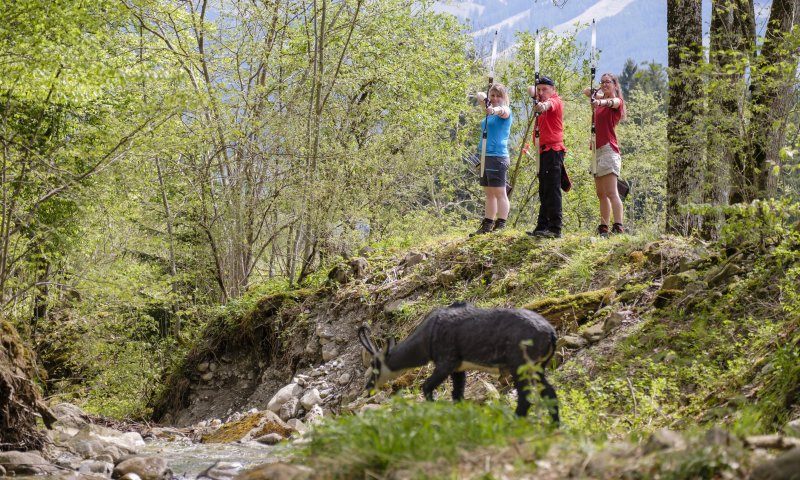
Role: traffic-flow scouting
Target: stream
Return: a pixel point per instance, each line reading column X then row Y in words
column 187, row 460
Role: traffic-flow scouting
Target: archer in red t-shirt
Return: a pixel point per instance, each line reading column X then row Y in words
column 609, row 109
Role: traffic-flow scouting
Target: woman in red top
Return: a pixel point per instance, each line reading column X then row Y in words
column 609, row 109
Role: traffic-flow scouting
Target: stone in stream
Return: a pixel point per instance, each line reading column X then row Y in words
column 69, row 415
column 270, row 439
column 96, row 467
column 26, row 463
column 221, row 471
column 146, row 467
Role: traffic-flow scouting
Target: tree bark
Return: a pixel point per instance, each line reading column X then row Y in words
column 732, row 43
column 773, row 84
column 685, row 170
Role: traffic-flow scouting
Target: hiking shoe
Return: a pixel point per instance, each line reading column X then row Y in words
column 617, row 228
column 486, row 227
column 602, row 230
column 544, row 234
column 499, row 224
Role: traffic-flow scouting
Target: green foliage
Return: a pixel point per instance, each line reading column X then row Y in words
column 409, row 432
column 123, row 387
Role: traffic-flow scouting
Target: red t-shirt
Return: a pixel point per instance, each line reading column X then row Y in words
column 605, row 120
column 551, row 126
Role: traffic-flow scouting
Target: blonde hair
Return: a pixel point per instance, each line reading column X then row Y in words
column 503, row 91
column 617, row 92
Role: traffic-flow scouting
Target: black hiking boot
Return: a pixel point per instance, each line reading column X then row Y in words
column 499, row 224
column 602, row 230
column 486, row 227
column 544, row 234
column 617, row 229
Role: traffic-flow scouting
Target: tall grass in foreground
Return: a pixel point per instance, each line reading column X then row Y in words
column 412, row 432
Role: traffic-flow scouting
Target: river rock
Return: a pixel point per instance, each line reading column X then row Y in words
column 148, row 468
column 106, row 457
column 283, row 395
column 343, row 379
column 310, row 398
column 222, row 471
column 94, row 440
column 96, row 466
column 783, row 467
column 269, row 439
column 69, row 415
column 26, row 463
column 289, row 409
column 314, row 415
column 86, row 448
column 277, row 471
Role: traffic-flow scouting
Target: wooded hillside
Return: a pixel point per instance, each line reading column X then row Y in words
column 164, row 164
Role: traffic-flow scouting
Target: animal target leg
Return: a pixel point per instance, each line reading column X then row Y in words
column 459, row 382
column 523, row 389
column 549, row 394
column 438, row 376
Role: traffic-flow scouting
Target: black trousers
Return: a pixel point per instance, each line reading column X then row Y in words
column 551, row 163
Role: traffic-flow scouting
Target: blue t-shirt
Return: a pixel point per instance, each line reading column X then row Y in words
column 496, row 136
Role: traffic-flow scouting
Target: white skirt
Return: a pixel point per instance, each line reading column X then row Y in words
column 608, row 161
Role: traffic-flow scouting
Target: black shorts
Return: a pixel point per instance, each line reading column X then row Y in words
column 495, row 171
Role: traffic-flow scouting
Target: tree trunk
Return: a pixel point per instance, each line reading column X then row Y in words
column 731, row 46
column 173, row 269
column 773, row 83
column 685, row 169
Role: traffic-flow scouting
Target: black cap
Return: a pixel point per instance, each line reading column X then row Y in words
column 545, row 80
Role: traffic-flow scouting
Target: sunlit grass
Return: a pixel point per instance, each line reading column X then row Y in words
column 408, row 431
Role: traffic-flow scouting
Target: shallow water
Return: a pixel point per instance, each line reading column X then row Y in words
column 187, row 459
